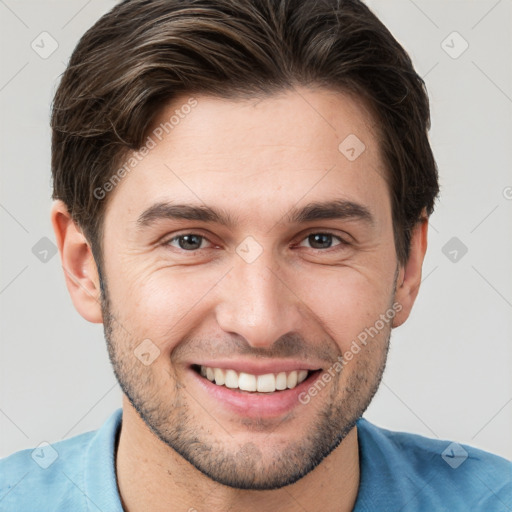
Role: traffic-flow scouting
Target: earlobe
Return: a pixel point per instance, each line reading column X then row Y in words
column 78, row 264
column 409, row 278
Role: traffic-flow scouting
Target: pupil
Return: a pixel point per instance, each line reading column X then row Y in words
column 323, row 239
column 190, row 242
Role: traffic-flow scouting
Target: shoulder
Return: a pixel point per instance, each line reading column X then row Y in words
column 30, row 477
column 433, row 472
column 52, row 476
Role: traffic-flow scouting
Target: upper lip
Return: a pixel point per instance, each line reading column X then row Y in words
column 259, row 367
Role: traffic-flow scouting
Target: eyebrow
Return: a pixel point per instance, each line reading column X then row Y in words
column 337, row 209
column 166, row 210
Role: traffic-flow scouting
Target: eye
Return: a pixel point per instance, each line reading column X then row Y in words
column 192, row 242
column 187, row 242
column 322, row 240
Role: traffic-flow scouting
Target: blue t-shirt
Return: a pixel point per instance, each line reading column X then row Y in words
column 399, row 472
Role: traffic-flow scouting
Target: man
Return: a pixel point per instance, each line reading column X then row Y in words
column 242, row 199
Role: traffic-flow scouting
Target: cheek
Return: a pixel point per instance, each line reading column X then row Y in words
column 344, row 300
column 166, row 304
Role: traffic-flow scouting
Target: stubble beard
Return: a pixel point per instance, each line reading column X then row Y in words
column 246, row 465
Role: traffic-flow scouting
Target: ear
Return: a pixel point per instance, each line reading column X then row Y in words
column 80, row 271
column 409, row 276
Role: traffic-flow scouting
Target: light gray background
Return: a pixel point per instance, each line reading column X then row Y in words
column 449, row 370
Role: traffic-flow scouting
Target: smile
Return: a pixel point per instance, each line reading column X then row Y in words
column 252, row 389
column 267, row 383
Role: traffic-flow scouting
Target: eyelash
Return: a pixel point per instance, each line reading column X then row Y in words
column 342, row 242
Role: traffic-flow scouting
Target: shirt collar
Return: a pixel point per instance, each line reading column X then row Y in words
column 101, row 491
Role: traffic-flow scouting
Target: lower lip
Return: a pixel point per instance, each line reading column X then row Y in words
column 256, row 405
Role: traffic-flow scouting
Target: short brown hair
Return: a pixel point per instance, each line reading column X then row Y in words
column 143, row 53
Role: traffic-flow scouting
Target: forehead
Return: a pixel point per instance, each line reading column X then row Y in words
column 265, row 153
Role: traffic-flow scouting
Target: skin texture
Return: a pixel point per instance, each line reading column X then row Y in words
column 179, row 448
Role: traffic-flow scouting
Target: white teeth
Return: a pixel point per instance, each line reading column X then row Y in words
column 268, row 383
column 219, row 376
column 231, row 379
column 281, row 381
column 247, row 382
column 301, row 376
column 291, row 380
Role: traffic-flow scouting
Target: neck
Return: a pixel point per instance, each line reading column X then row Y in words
column 152, row 476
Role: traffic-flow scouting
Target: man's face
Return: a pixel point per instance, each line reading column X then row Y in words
column 271, row 293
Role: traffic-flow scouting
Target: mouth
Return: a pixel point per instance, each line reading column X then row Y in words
column 253, row 389
column 252, row 383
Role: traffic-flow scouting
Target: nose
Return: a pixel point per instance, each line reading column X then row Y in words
column 257, row 303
